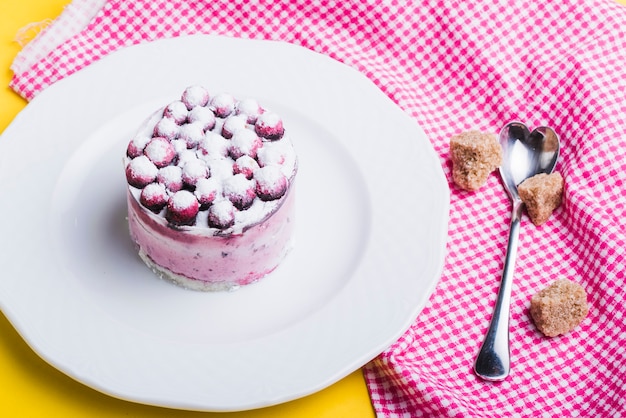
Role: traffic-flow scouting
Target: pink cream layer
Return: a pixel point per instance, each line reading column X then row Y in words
column 196, row 258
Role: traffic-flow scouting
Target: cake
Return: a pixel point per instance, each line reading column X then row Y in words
column 474, row 156
column 541, row 194
column 559, row 308
column 211, row 191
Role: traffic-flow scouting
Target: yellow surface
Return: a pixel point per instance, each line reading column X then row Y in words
column 29, row 387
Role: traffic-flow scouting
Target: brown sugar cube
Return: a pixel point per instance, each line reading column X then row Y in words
column 474, row 156
column 542, row 194
column 559, row 308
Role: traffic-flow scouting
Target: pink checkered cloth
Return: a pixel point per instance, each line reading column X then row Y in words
column 454, row 65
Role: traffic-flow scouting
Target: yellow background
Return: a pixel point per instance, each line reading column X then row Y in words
column 29, row 387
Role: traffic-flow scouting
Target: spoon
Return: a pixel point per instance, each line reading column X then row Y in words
column 524, row 154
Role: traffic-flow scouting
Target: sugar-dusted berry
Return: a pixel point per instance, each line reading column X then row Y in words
column 221, row 214
column 223, row 104
column 140, row 172
column 271, row 154
column 207, row 190
column 191, row 133
column 195, row 96
column 269, row 126
column 240, row 191
column 154, row 197
column 244, row 142
column 213, row 145
column 177, row 111
column 171, row 177
column 271, row 183
column 136, row 145
column 202, row 115
column 245, row 165
column 160, row 151
column 250, row 108
column 232, row 124
column 182, row 208
column 194, row 170
column 166, row 128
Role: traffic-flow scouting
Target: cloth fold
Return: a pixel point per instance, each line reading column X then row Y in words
column 454, row 66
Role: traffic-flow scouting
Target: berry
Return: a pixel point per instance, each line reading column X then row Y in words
column 171, row 177
column 245, row 165
column 222, row 215
column 244, row 142
column 194, row 170
column 270, row 155
column 195, row 96
column 160, row 151
column 232, row 124
column 182, row 208
column 213, row 145
column 223, row 104
column 250, row 108
column 177, row 111
column 140, row 172
column 240, row 191
column 221, row 168
column 206, row 191
column 136, row 145
column 192, row 133
column 271, row 183
column 269, row 126
column 154, row 197
column 166, row 128
column 202, row 115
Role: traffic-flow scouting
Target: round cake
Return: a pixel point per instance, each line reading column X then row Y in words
column 211, row 191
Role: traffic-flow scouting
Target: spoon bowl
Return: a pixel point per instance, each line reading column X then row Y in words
column 524, row 154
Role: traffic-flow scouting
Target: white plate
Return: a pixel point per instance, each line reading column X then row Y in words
column 372, row 211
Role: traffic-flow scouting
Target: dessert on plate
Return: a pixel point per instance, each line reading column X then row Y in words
column 211, row 191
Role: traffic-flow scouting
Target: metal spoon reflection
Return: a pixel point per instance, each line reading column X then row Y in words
column 524, row 154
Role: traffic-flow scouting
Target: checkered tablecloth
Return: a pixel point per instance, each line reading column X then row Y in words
column 453, row 66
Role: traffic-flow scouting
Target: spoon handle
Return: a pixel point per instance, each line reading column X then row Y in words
column 493, row 360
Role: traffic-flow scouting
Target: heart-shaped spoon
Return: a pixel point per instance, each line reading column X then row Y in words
column 524, row 154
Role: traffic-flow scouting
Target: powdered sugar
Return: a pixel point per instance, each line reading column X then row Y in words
column 250, row 108
column 223, row 104
column 192, row 133
column 202, row 115
column 166, row 128
column 176, row 111
column 271, row 182
column 195, row 96
column 213, row 146
column 137, row 144
column 183, row 199
column 141, row 171
column 160, row 151
column 232, row 124
column 171, row 177
column 268, row 119
column 244, row 142
column 193, row 170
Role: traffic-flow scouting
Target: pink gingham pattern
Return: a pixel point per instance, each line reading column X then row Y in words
column 453, row 66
